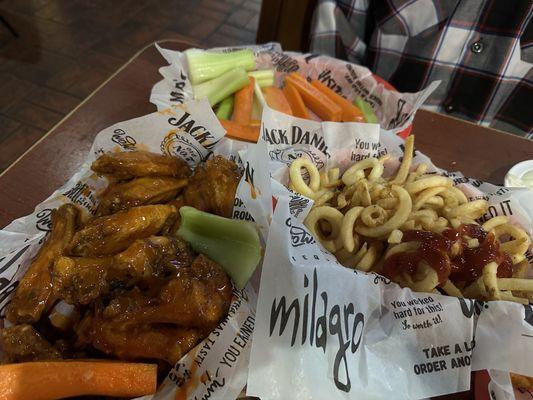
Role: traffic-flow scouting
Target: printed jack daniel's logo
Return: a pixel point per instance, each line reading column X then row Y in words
column 287, row 156
column 199, row 132
column 295, row 135
column 177, row 145
column 320, row 322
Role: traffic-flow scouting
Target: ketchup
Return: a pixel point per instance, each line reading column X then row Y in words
column 448, row 254
column 433, row 250
column 468, row 266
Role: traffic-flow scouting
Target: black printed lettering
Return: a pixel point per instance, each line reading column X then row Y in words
column 335, row 321
column 198, row 132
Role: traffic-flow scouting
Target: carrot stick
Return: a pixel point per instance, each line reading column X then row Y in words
column 295, row 101
column 275, row 99
column 248, row 133
column 350, row 112
column 244, row 98
column 314, row 99
column 313, row 116
column 48, row 380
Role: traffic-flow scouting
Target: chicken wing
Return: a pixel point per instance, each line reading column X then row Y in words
column 110, row 234
column 21, row 343
column 155, row 256
column 80, row 280
column 132, row 164
column 138, row 192
column 137, row 342
column 199, row 296
column 33, row 294
column 212, row 187
column 178, row 202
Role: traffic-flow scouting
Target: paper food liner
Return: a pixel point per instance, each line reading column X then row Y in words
column 326, row 331
column 497, row 385
column 217, row 367
column 394, row 110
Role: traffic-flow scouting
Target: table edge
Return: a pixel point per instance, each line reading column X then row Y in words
column 454, row 117
column 62, row 120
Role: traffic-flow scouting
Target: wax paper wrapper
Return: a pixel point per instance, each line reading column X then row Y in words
column 217, row 367
column 499, row 387
column 394, row 110
column 326, row 331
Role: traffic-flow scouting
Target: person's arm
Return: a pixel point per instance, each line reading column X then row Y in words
column 339, row 29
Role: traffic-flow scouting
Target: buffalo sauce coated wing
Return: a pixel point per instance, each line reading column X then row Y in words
column 178, row 202
column 113, row 233
column 122, row 283
column 133, row 342
column 33, row 294
column 212, row 187
column 22, row 343
column 133, row 164
column 198, row 296
column 154, row 256
column 80, row 280
column 138, row 192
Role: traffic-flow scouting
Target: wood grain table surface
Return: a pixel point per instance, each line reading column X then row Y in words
column 453, row 144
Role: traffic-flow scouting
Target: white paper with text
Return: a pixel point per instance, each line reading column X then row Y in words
column 394, row 110
column 326, row 331
column 217, row 367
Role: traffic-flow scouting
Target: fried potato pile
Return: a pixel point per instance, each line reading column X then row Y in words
column 415, row 228
column 122, row 284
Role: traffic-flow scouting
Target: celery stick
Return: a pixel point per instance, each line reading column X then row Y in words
column 262, row 74
column 257, row 110
column 259, row 95
column 265, row 82
column 366, row 109
column 219, row 88
column 206, row 65
column 259, row 102
column 231, row 243
column 264, row 77
column 225, row 108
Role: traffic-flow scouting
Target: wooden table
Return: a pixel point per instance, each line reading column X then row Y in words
column 453, row 144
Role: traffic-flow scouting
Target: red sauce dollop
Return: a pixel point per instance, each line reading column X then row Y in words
column 449, row 254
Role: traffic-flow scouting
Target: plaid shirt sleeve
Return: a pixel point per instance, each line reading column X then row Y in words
column 339, row 29
column 482, row 51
